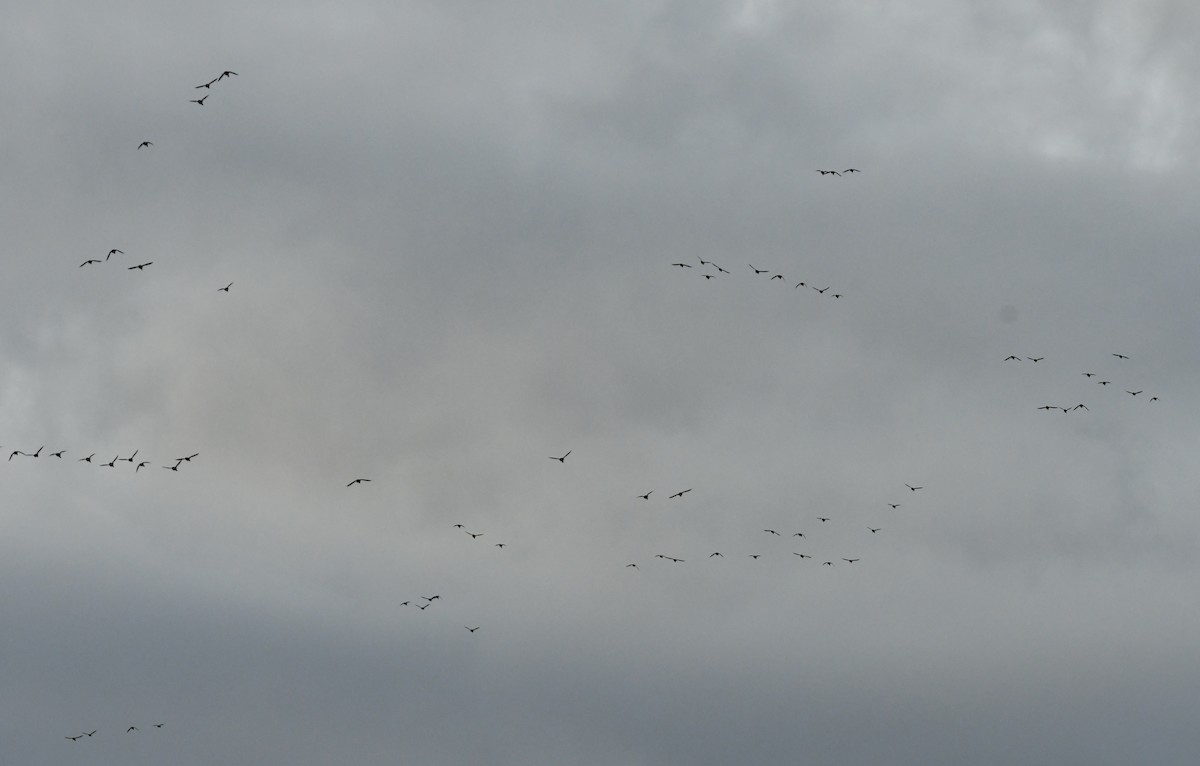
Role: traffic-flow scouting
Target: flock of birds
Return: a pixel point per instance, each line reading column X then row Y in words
column 1088, row 375
column 757, row 272
column 110, row 464
column 92, row 733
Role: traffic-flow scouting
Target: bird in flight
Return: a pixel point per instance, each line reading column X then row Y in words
column 914, row 489
column 828, row 172
column 89, row 260
column 77, row 736
column 87, row 459
column 635, row 566
column 131, row 728
column 682, row 265
column 851, row 170
column 679, row 494
column 772, row 532
column 225, row 289
column 188, row 459
column 199, row 101
column 1120, row 356
column 801, row 555
column 822, row 518
column 14, row 453
column 58, row 454
column 1089, row 374
column 172, row 467
column 225, row 74
column 755, row 556
column 1035, row 358
column 797, row 534
column 472, row 630
column 1012, row 358
column 1132, row 393
column 159, row 725
column 757, row 271
column 646, row 496
column 113, row 252
column 141, row 465
column 357, row 481
column 894, row 505
column 499, row 545
column 874, row 529
column 131, row 457
column 849, row 561
column 474, row 534
column 777, row 276
column 207, row 84
column 144, row 144
column 716, row 553
column 140, row 266
column 562, row 459
column 821, row 290
column 110, row 464
column 1103, row 382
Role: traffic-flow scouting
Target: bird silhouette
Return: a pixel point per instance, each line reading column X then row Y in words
column 849, row 561
column 757, row 271
column 141, row 465
column 131, row 728
column 58, row 454
column 822, row 518
column 144, row 144
column 200, row 100
column 772, row 532
column 1120, row 356
column 89, row 260
column 874, row 529
column 227, row 73
column 225, row 289
column 562, row 459
column 140, row 266
column 357, row 481
column 914, row 489
column 113, row 252
column 87, row 459
column 472, row 630
column 851, row 170
column 682, row 265
column 646, row 496
column 679, row 494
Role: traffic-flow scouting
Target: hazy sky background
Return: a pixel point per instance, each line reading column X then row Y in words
column 450, row 228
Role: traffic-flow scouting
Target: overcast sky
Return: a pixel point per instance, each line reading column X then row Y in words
column 450, row 228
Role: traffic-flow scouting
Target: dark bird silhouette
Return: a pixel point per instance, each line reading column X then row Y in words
column 39, row 450
column 777, row 276
column 200, row 100
column 89, row 260
column 458, row 526
column 172, row 467
column 1035, row 358
column 715, row 553
column 797, row 534
column 131, row 457
column 14, row 453
column 77, row 736
column 475, row 534
column 647, row 495
column 227, row 73
column 140, row 266
column 1131, row 393
column 562, row 459
column 851, row 170
column 188, row 459
column 113, row 252
column 1089, row 374
column 432, row 598
column 635, row 566
column 874, row 529
column 1120, row 356
column 1080, row 407
column 828, row 172
column 357, row 481
column 849, row 561
column 800, row 284
column 423, row 607
column 1103, row 382
column 90, row 733
column 144, row 144
column 772, row 532
column 58, row 454
column 827, row 564
column 1048, row 407
column 110, row 464
column 894, row 505
column 207, row 84
column 682, row 265
column 472, row 630
column 1011, row 358
column 131, row 728
column 159, row 725
column 755, row 556
column 679, row 494
column 499, row 545
column 225, row 289
column 822, row 518
column 914, row 489
column 141, row 465
column 1154, row 398
column 87, row 459
column 801, row 555
column 821, row 290
column 708, row 276
column 757, row 271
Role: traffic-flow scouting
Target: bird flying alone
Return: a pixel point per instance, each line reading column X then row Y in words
column 562, row 459
column 679, row 494
column 357, row 481
column 144, row 144
column 199, row 101
column 225, row 289
column 140, row 266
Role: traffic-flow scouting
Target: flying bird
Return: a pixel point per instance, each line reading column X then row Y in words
column 472, row 630
column 682, row 265
column 1131, row 393
column 874, row 529
column 1120, row 356
column 225, row 289
column 757, row 271
column 199, row 101
column 113, row 252
column 207, row 84
column 140, row 266
column 1035, row 358
column 141, row 465
column 58, row 454
column 144, row 144
column 822, row 518
column 131, row 728
column 772, row 532
column 89, row 260
column 87, row 459
column 715, row 553
column 187, row 459
column 357, row 481
column 849, row 561
column 562, row 459
column 646, row 496
column 679, row 494
column 851, row 170
column 225, row 74
column 914, row 489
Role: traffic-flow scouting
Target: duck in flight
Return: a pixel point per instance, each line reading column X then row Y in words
column 227, row 73
column 757, row 271
column 89, row 260
column 113, row 252
column 914, row 489
column 144, row 144
column 679, row 494
column 225, row 289
column 470, row 629
column 140, row 266
column 647, row 495
column 357, row 481
column 562, row 459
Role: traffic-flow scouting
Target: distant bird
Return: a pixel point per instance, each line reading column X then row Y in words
column 1080, row 407
column 87, row 459
column 894, row 505
column 708, row 276
column 1035, row 358
column 1048, row 407
column 1120, row 356
column 423, row 607
column 475, row 534
column 472, row 630
column 801, row 555
column 773, row 532
column 458, row 526
column 797, row 534
column 715, row 553
column 827, row 564
column 635, row 566
column 755, row 556
column 851, row 170
column 77, row 736
column 1133, row 393
column 1089, row 374
column 140, row 266
column 801, row 284
column 849, row 561
column 432, row 598
column 58, row 454
column 777, row 276
column 914, row 489
column 89, row 260
column 39, row 449
column 141, row 465
column 679, row 494
column 562, row 459
column 822, row 518
column 110, row 464
column 1154, row 398
column 113, row 252
column 188, row 459
column 828, row 172
column 1012, row 358
column 1103, row 382
column 723, row 271
column 682, row 265
column 225, row 289
column 757, row 271
column 499, row 545
column 207, row 84
column 227, row 73
column 874, row 529
column 144, row 144
column 821, row 290
column 131, row 728
column 357, row 481
column 647, row 495
column 14, row 453
column 90, row 733
column 131, row 457
column 172, row 467
column 199, row 101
